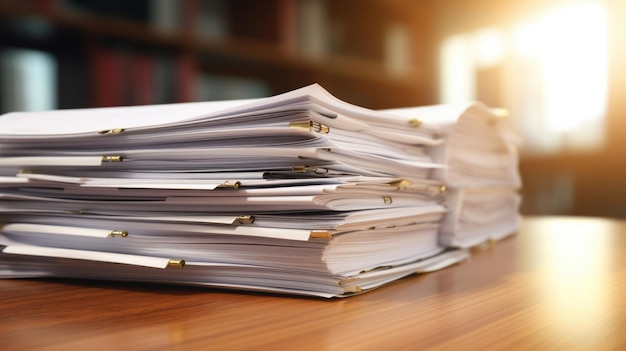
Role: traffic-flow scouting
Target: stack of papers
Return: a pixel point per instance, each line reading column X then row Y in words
column 298, row 193
column 482, row 176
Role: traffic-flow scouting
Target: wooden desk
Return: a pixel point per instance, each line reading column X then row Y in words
column 559, row 284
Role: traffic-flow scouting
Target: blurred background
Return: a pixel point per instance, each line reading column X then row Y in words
column 556, row 65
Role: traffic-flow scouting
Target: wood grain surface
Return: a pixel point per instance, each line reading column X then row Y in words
column 560, row 283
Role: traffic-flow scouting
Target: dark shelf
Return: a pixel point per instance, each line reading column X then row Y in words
column 348, row 73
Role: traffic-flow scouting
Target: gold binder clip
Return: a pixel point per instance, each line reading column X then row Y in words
column 388, row 200
column 112, row 158
column 436, row 190
column 306, row 169
column 352, row 289
column 176, row 263
column 498, row 114
column 310, row 125
column 231, row 185
column 401, row 184
column 111, row 131
column 319, row 128
column 415, row 122
column 300, row 169
column 119, row 233
column 321, row 234
column 300, row 124
column 245, row 219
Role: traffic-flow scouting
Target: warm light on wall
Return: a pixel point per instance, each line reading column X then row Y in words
column 489, row 46
column 457, row 81
column 570, row 47
column 553, row 75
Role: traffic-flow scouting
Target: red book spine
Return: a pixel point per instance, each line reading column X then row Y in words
column 288, row 25
column 186, row 73
column 144, row 79
column 47, row 6
column 107, row 78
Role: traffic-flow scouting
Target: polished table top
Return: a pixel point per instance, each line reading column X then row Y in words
column 560, row 283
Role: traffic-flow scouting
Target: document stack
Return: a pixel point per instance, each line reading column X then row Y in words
column 482, row 176
column 298, row 193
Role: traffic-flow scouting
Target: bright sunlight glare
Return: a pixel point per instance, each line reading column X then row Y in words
column 570, row 45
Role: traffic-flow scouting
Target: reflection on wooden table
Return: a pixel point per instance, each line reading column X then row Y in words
column 558, row 284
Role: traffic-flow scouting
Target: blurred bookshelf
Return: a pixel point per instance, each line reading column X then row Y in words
column 372, row 53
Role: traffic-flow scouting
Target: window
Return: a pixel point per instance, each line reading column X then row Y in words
column 549, row 71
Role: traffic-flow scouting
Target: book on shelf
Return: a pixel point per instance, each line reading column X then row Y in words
column 298, row 193
column 28, row 80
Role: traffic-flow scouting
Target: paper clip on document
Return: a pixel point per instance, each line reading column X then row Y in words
column 118, row 233
column 112, row 158
column 176, row 263
column 312, row 126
